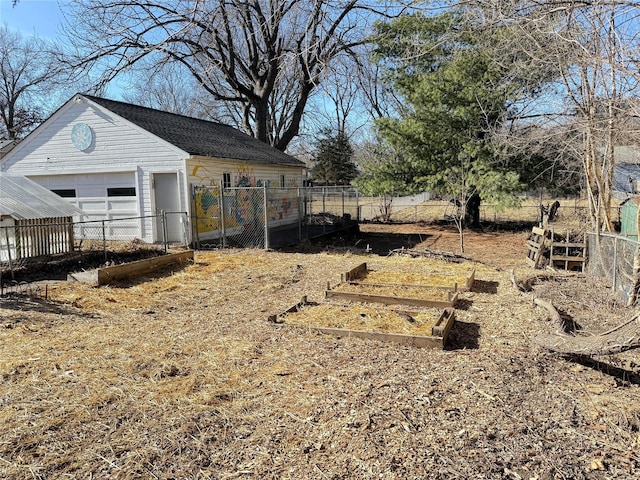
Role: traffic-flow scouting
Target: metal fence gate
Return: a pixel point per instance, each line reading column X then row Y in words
column 225, row 217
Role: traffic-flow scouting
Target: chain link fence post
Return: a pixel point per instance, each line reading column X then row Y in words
column 266, row 216
column 165, row 236
column 104, row 239
column 194, row 215
column 324, row 210
column 222, row 214
column 184, row 222
column 300, row 200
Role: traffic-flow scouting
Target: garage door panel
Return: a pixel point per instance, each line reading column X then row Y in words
column 128, row 205
column 91, row 206
column 91, row 196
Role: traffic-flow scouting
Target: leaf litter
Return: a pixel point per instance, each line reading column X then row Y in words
column 182, row 376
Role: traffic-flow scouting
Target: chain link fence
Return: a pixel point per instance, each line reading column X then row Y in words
column 262, row 217
column 171, row 228
column 611, row 257
column 29, row 242
column 438, row 210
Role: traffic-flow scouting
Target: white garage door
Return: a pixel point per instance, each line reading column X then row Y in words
column 103, row 196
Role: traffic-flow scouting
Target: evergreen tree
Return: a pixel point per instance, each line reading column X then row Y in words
column 454, row 95
column 333, row 162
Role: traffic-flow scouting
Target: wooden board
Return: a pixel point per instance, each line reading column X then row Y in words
column 419, row 302
column 471, row 279
column 355, row 274
column 438, row 338
column 102, row 276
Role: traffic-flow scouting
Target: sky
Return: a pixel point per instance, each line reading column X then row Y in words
column 33, row 17
column 43, row 18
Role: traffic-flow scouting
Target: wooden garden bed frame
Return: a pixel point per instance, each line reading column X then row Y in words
column 106, row 275
column 355, row 274
column 438, row 338
column 351, row 277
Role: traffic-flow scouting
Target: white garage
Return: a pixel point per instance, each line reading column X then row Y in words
column 125, row 164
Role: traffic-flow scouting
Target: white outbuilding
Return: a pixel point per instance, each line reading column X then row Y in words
column 115, row 160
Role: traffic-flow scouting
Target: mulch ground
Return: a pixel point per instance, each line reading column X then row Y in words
column 181, row 375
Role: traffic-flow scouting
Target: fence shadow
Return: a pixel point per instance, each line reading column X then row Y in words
column 29, row 303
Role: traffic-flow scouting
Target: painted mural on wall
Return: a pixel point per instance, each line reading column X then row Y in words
column 243, row 203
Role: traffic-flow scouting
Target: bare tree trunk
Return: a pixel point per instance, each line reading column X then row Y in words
column 633, row 294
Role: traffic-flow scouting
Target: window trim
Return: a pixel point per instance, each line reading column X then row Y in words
column 121, row 191
column 226, row 180
column 65, row 192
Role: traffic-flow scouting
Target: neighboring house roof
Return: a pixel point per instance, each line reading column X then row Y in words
column 198, row 137
column 634, row 200
column 24, row 199
column 627, row 154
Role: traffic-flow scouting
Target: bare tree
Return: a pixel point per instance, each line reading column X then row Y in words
column 592, row 48
column 28, row 72
column 170, row 90
column 262, row 58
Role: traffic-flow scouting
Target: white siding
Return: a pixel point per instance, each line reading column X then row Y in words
column 117, row 146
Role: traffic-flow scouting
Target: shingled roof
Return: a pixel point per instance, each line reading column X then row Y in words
column 198, row 137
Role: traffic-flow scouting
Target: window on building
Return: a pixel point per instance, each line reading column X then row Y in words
column 121, row 192
column 65, row 192
column 282, row 181
column 226, row 180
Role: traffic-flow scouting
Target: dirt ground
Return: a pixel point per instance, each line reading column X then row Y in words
column 181, row 375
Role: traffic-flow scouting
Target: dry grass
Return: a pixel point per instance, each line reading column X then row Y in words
column 400, row 291
column 182, row 376
column 387, row 277
column 363, row 317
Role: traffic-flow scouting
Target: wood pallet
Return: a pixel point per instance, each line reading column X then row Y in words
column 438, row 338
column 538, row 244
column 545, row 248
column 567, row 255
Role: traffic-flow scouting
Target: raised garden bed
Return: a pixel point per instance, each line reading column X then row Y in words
column 362, row 285
column 424, row 328
column 361, row 275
